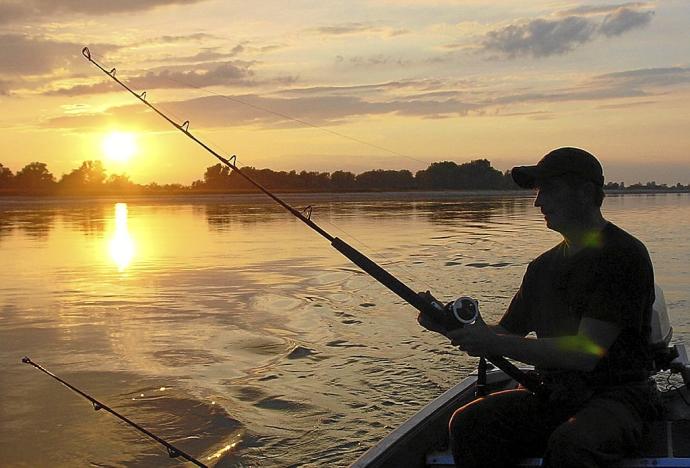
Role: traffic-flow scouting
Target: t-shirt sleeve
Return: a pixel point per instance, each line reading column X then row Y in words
column 517, row 319
column 623, row 283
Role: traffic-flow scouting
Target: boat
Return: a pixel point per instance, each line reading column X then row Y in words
column 422, row 440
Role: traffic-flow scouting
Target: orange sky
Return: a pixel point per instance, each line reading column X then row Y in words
column 419, row 81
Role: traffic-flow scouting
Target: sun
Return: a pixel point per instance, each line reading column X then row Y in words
column 119, row 146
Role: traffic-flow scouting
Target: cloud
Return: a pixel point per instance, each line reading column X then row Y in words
column 183, row 38
column 542, row 37
column 356, row 28
column 626, row 105
column 271, row 111
column 12, row 11
column 375, row 60
column 26, row 55
column 601, row 9
column 237, row 73
column 623, row 20
column 619, row 85
column 412, row 87
column 207, row 54
column 646, row 78
column 328, row 105
column 5, row 87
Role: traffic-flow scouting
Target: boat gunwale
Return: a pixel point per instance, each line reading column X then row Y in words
column 376, row 455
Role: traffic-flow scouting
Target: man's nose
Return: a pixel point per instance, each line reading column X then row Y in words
column 538, row 200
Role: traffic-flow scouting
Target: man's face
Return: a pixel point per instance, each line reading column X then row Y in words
column 562, row 205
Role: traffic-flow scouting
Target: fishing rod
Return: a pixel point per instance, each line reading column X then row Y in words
column 173, row 451
column 456, row 314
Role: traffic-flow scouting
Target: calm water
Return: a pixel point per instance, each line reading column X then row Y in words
column 228, row 327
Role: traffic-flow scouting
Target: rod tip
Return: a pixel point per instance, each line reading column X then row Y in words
column 26, row 360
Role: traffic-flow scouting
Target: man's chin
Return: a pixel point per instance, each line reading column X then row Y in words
column 551, row 224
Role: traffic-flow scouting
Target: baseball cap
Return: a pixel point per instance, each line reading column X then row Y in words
column 566, row 160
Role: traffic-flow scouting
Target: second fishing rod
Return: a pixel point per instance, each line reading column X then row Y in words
column 456, row 314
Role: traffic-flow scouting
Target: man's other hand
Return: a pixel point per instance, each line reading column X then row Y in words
column 476, row 339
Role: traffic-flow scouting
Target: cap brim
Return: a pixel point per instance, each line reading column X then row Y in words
column 529, row 176
column 525, row 176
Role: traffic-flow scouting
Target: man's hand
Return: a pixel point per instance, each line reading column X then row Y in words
column 476, row 339
column 428, row 322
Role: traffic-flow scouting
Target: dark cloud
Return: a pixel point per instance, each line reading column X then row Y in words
column 623, row 20
column 11, row 11
column 544, row 37
column 540, row 37
column 25, row 55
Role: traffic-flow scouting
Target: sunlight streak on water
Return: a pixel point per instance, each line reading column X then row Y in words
column 121, row 246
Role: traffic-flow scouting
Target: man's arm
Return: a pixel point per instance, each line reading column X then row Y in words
column 577, row 352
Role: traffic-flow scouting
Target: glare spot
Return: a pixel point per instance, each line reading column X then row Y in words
column 581, row 344
column 219, row 453
column 121, row 245
column 119, row 146
column 593, row 239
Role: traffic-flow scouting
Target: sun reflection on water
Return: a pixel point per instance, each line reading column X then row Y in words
column 121, row 245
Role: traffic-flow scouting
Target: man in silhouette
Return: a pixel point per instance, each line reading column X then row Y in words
column 588, row 301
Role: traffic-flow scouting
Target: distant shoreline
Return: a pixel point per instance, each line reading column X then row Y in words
column 288, row 194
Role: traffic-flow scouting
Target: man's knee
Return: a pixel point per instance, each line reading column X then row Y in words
column 466, row 438
column 465, row 423
column 469, row 422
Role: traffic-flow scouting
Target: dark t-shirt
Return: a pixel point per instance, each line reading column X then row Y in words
column 610, row 280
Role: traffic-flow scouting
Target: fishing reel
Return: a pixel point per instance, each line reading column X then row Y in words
column 456, row 314
column 464, row 309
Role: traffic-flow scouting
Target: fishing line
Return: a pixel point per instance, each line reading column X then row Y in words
column 311, row 125
column 441, row 316
column 295, row 119
column 173, row 451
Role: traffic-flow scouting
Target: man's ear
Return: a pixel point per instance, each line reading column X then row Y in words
column 586, row 193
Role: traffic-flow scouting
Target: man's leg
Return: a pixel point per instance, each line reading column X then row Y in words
column 500, row 429
column 602, row 432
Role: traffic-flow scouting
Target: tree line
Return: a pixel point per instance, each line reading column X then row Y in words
column 91, row 178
